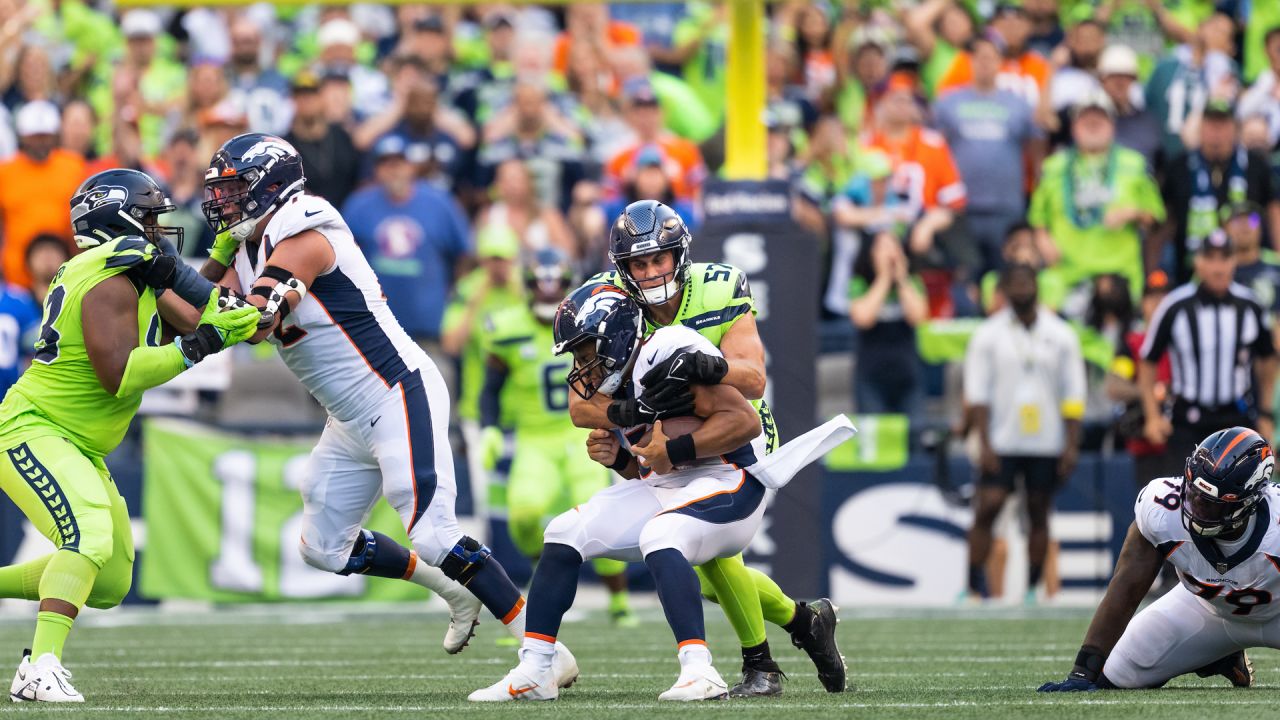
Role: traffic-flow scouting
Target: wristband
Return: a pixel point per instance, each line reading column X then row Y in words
column 680, row 450
column 1089, row 663
column 621, row 461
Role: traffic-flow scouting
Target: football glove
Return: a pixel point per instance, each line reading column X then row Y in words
column 224, row 248
column 218, row 330
column 1075, row 682
column 689, row 366
column 629, row 413
column 669, row 398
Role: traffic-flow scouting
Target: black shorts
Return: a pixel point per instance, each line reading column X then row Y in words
column 1039, row 474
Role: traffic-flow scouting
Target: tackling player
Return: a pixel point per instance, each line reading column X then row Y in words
column 105, row 338
column 549, row 473
column 1219, row 526
column 291, row 253
column 649, row 245
column 683, row 506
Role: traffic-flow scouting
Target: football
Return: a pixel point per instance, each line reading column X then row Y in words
column 673, row 427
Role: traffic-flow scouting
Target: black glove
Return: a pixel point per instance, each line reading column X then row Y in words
column 629, row 413
column 205, row 341
column 159, row 272
column 669, row 398
column 689, row 366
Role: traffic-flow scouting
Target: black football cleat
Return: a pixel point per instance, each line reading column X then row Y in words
column 820, row 644
column 757, row 683
column 1236, row 667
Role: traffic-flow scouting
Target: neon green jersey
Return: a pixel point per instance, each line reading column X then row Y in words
column 60, row 393
column 535, row 397
column 472, row 365
column 713, row 299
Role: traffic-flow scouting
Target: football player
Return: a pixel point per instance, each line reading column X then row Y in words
column 290, row 253
column 1219, row 526
column 649, row 246
column 107, row 336
column 691, row 499
column 549, row 472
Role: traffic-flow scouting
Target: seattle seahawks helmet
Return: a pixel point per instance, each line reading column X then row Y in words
column 120, row 203
column 249, row 176
column 548, row 275
column 1223, row 481
column 603, row 328
column 648, row 227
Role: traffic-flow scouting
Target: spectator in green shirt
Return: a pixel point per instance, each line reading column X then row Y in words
column 1095, row 201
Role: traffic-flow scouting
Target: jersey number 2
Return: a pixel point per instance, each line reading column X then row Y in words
column 47, row 345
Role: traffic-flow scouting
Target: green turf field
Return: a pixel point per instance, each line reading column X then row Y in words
column 329, row 662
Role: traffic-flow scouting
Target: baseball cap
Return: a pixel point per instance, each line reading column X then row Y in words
column 1217, row 240
column 304, row 81
column 225, row 113
column 429, row 23
column 1118, row 60
column 1243, row 208
column 1008, row 7
column 639, row 91
column 38, row 117
column 1219, row 110
column 495, row 20
column 389, row 146
column 649, row 155
column 1157, row 282
column 1094, row 99
column 497, row 240
column 338, row 32
column 140, row 23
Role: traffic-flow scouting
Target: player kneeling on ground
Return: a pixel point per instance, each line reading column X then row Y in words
column 1219, row 526
column 689, row 500
column 108, row 335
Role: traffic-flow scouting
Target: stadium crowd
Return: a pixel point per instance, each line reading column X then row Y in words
column 929, row 144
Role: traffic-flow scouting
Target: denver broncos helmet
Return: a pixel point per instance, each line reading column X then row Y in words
column 1223, row 481
column 120, row 203
column 249, row 176
column 602, row 326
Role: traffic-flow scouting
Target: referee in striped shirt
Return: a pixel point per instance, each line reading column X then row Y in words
column 1221, row 350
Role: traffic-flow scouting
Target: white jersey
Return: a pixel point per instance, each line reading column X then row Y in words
column 662, row 344
column 1238, row 585
column 341, row 341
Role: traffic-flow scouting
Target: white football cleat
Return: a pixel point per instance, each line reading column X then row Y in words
column 44, row 680
column 564, row 666
column 464, row 613
column 524, row 682
column 697, row 682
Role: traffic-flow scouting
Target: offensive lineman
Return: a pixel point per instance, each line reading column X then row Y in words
column 680, row 507
column 549, row 472
column 292, row 254
column 102, row 343
column 1219, row 526
column 649, row 246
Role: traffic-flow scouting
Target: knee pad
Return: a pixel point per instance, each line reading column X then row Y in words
column 565, row 529
column 321, row 560
column 465, row 560
column 110, row 592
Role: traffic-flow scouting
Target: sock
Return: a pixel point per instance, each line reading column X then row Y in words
column 22, row 582
column 388, row 558
column 538, row 652
column 493, row 588
column 777, row 607
column 619, row 603
column 678, row 592
column 51, row 634
column 694, row 652
column 434, row 579
column 977, row 580
column 551, row 594
column 737, row 596
column 69, row 576
column 1034, row 572
column 801, row 620
column 759, row 658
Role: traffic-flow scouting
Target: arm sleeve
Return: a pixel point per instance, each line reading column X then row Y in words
column 149, row 367
column 491, row 395
column 191, row 286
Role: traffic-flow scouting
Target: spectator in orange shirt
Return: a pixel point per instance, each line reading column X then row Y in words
column 925, row 189
column 680, row 159
column 590, row 24
column 35, row 187
column 1024, row 71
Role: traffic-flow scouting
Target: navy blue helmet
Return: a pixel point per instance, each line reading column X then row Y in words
column 548, row 275
column 1224, row 480
column 603, row 328
column 647, row 227
column 120, row 203
column 248, row 177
